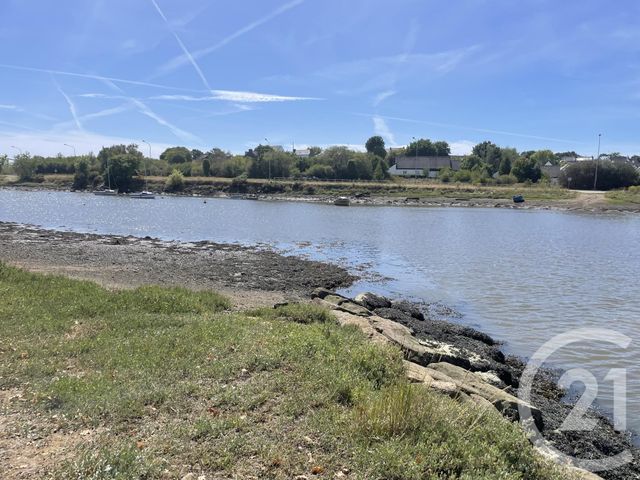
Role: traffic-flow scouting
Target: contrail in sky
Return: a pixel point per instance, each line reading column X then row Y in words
column 182, row 46
column 95, row 77
column 72, row 107
column 182, row 59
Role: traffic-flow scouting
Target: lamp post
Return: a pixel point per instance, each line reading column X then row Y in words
column 595, row 177
column 267, row 140
column 19, row 149
column 146, row 185
column 415, row 167
column 72, row 147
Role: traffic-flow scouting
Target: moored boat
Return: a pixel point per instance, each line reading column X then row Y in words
column 342, row 202
column 143, row 195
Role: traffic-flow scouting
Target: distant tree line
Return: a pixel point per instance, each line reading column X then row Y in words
column 121, row 166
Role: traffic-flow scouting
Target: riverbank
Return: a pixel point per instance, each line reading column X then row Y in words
column 166, row 383
column 250, row 277
column 401, row 192
column 268, row 278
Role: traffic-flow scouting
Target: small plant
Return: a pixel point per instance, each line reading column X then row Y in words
column 175, row 182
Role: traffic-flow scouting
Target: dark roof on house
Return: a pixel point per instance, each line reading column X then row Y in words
column 424, row 163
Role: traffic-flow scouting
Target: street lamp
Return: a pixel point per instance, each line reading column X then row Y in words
column 19, row 149
column 595, row 177
column 72, row 147
column 415, row 167
column 269, row 161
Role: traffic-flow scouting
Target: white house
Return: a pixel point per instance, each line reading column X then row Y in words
column 423, row 166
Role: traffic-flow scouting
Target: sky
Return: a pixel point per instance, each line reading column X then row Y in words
column 529, row 74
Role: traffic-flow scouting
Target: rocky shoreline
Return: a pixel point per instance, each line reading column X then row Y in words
column 374, row 200
column 456, row 360
column 468, row 365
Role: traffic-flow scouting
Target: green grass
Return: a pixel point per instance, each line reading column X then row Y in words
column 168, row 378
column 624, row 197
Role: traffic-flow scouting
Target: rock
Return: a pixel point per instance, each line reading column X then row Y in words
column 354, row 309
column 362, row 323
column 394, row 314
column 334, row 299
column 372, row 301
column 321, row 293
column 409, row 308
column 189, row 476
column 425, row 352
column 470, row 383
column 491, row 378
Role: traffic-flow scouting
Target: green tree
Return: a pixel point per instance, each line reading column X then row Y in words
column 314, row 151
column 3, row 162
column 381, row 172
column 471, row 162
column 206, row 167
column 542, row 157
column 526, row 169
column 25, row 167
column 490, row 154
column 376, row 146
column 81, row 176
column 422, row 148
column 508, row 156
column 123, row 167
column 176, row 155
column 442, row 149
column 196, row 154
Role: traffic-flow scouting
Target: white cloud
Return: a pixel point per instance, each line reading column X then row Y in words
column 51, row 143
column 183, row 59
column 234, row 96
column 9, row 107
column 381, row 128
column 461, row 147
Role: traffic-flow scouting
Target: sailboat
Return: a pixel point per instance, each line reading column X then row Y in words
column 107, row 192
column 145, row 194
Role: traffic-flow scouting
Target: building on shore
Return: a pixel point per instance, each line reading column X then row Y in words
column 423, row 166
column 551, row 171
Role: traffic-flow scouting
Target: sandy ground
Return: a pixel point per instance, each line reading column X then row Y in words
column 250, row 277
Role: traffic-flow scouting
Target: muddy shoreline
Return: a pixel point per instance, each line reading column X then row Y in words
column 373, row 200
column 254, row 277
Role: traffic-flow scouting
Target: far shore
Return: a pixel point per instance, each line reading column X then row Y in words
column 398, row 193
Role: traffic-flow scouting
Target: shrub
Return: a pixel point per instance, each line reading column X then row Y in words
column 81, row 177
column 175, row 182
column 526, row 169
column 206, row 167
column 25, row 167
column 506, row 180
column 462, row 176
column 446, row 175
column 610, row 175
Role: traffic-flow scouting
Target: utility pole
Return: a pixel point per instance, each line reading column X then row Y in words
column 595, row 177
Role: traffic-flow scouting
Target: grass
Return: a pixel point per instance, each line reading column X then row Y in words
column 624, row 197
column 169, row 381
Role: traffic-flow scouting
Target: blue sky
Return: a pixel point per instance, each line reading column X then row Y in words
column 529, row 74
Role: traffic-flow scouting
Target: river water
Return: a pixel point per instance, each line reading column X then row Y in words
column 523, row 276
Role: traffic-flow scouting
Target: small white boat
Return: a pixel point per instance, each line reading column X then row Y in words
column 342, row 202
column 106, row 193
column 143, row 195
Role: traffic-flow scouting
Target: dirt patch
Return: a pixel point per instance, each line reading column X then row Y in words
column 30, row 445
column 251, row 277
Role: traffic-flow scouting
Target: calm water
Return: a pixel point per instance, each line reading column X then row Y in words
column 522, row 276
